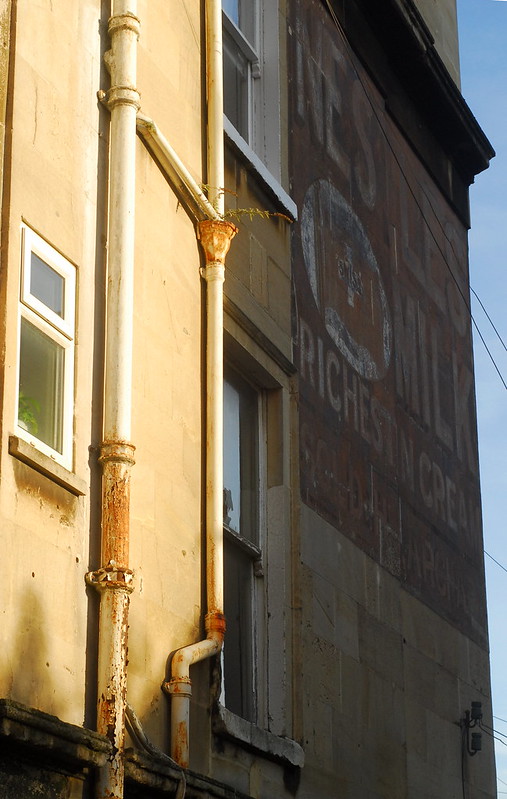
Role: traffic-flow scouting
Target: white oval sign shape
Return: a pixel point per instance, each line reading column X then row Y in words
column 345, row 280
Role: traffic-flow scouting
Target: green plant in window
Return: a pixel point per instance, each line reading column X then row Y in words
column 28, row 410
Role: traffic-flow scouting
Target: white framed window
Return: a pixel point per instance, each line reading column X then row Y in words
column 254, row 709
column 244, row 454
column 251, row 78
column 241, row 64
column 45, row 385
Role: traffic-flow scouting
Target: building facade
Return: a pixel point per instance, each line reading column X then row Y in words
column 239, row 485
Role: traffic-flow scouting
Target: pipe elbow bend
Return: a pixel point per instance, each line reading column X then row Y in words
column 180, row 682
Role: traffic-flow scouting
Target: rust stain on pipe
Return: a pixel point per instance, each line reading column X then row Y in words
column 215, row 622
column 215, row 236
column 181, row 745
column 116, row 457
column 114, row 582
column 107, row 719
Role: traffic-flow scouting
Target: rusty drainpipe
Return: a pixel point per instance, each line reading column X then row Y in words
column 114, row 579
column 215, row 236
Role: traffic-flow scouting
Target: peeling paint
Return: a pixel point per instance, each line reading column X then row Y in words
column 181, row 749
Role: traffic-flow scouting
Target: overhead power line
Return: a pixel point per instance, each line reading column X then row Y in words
column 489, row 318
column 502, row 567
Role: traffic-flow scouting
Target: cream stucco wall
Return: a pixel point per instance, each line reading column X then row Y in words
column 52, row 185
column 58, row 186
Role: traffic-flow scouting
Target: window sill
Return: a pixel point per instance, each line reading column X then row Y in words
column 252, row 162
column 274, row 747
column 47, row 466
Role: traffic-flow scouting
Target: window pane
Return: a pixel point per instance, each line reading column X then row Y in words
column 242, row 13
column 232, row 461
column 231, row 8
column 238, row 645
column 47, row 285
column 247, row 20
column 236, row 68
column 241, row 469
column 41, row 372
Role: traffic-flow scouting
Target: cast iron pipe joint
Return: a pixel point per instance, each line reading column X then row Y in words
column 214, row 622
column 112, row 576
column 215, row 236
column 180, row 682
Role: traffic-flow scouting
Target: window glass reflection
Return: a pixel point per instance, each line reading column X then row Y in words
column 47, row 285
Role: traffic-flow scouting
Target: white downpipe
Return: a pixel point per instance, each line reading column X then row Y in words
column 215, row 248
column 123, row 101
column 180, row 688
column 172, row 165
column 113, row 579
column 214, row 274
column 215, row 97
column 215, row 236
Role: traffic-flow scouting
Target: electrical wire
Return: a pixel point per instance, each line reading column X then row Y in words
column 493, row 736
column 486, row 727
column 414, row 197
column 505, row 570
column 463, row 752
column 489, row 318
column 488, row 351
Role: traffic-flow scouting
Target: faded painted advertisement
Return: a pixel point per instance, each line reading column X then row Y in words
column 382, row 334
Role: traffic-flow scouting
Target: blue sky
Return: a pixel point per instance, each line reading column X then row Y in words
column 483, row 55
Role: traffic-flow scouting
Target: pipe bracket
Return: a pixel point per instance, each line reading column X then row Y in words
column 126, row 21
column 215, row 622
column 213, row 272
column 122, row 95
column 112, row 576
column 180, row 686
column 215, row 236
column 117, row 451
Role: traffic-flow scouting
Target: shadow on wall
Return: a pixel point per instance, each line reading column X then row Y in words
column 146, row 697
column 97, row 362
column 33, row 682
